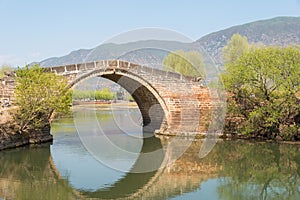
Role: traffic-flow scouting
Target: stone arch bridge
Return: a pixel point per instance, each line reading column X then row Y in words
column 170, row 103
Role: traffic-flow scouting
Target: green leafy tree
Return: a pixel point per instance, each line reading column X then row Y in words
column 235, row 47
column 264, row 83
column 104, row 94
column 186, row 63
column 107, row 94
column 38, row 95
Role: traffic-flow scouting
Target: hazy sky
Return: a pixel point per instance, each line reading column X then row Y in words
column 32, row 30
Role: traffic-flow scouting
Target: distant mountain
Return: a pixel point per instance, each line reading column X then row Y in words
column 149, row 52
column 277, row 31
column 280, row 31
column 74, row 57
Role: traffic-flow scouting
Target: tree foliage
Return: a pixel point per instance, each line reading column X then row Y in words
column 264, row 84
column 104, row 94
column 38, row 95
column 235, row 47
column 186, row 63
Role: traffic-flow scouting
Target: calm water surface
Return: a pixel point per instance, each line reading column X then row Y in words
column 94, row 153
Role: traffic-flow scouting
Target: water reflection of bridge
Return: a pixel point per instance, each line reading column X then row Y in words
column 182, row 175
column 29, row 173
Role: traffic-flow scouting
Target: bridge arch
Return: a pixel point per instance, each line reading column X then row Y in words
column 169, row 102
column 152, row 106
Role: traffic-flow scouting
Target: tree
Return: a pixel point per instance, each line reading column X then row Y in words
column 38, row 95
column 107, row 94
column 235, row 47
column 186, row 63
column 104, row 94
column 263, row 84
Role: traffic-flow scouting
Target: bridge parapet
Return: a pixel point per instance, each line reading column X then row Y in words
column 116, row 64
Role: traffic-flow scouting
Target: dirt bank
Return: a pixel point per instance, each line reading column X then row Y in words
column 10, row 136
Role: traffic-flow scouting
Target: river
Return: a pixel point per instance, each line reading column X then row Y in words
column 103, row 153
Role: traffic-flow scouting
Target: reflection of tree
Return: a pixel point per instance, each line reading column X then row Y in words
column 26, row 174
column 259, row 171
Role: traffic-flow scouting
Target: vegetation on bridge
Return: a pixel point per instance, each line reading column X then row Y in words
column 4, row 69
column 38, row 95
column 263, row 84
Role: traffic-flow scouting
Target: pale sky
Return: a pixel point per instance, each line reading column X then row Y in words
column 33, row 30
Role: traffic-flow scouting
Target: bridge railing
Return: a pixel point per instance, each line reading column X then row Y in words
column 117, row 64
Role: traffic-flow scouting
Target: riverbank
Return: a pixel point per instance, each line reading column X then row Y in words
column 221, row 137
column 11, row 138
column 105, row 106
column 17, row 140
column 105, row 103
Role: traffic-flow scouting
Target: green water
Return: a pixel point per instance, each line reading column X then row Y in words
column 74, row 167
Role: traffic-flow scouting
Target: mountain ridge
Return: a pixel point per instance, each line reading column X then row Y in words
column 280, row 31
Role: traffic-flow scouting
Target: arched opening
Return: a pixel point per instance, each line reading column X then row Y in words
column 151, row 105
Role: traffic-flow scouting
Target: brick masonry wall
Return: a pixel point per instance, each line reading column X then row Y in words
column 7, row 87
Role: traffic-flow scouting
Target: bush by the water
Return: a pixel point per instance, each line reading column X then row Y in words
column 263, row 87
column 38, row 95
